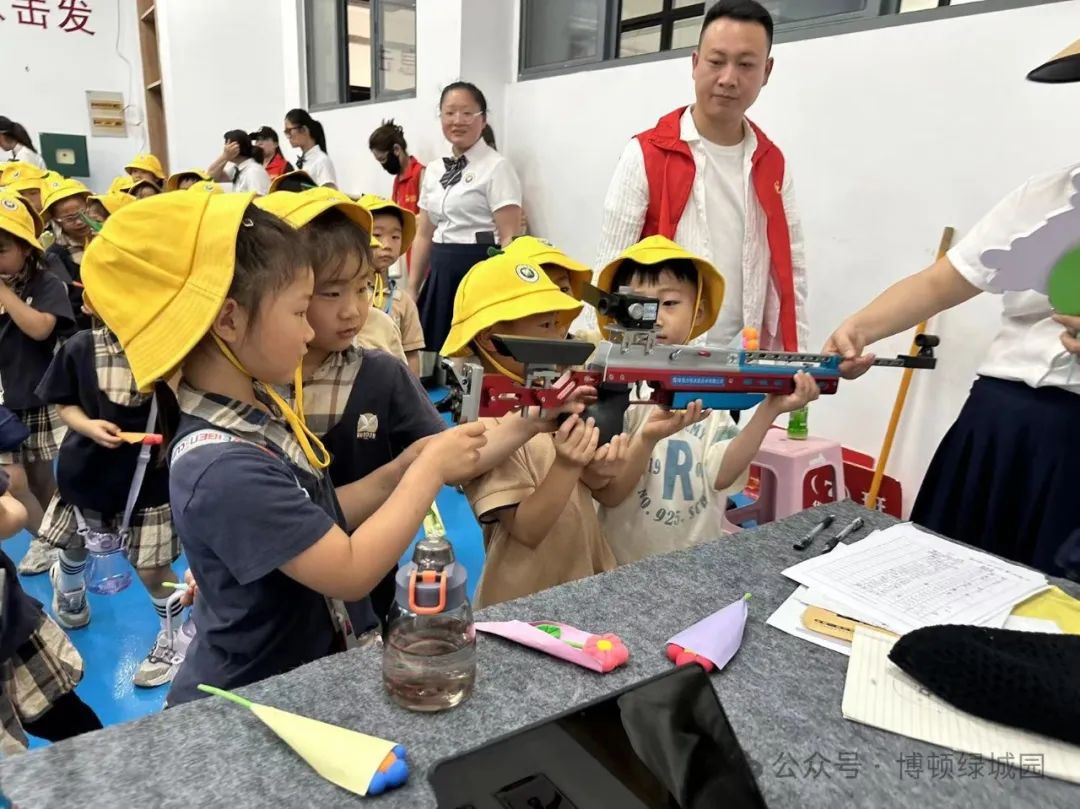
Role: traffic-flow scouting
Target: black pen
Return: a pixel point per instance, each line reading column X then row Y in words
column 808, row 540
column 855, row 525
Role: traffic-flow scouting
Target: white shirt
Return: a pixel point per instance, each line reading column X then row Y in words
column 725, row 208
column 252, row 177
column 488, row 184
column 674, row 505
column 624, row 216
column 319, row 166
column 1028, row 348
column 20, row 152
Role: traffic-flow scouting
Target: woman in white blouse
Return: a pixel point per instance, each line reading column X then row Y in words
column 469, row 202
column 306, row 134
column 1004, row 476
column 15, row 139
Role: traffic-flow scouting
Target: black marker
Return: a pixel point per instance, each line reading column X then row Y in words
column 807, row 540
column 855, row 525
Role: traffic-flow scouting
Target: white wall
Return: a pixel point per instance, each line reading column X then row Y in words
column 218, row 67
column 47, row 73
column 891, row 135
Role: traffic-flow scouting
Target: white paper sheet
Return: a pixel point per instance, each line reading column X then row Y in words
column 902, row 579
column 879, row 694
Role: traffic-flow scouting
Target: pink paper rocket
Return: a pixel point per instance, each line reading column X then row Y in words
column 714, row 639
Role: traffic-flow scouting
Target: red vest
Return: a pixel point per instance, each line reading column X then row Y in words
column 670, row 170
column 407, row 190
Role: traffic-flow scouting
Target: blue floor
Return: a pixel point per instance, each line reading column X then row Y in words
column 123, row 626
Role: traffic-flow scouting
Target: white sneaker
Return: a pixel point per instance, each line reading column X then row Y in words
column 70, row 607
column 39, row 557
column 161, row 664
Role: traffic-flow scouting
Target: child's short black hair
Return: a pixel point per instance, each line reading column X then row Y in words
column 394, row 212
column 682, row 268
column 331, row 238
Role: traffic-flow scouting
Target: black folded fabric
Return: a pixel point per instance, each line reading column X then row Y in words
column 1027, row 680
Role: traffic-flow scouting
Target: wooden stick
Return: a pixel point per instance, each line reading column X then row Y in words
column 901, row 395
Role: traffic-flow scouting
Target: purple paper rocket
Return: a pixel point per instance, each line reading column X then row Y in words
column 716, row 637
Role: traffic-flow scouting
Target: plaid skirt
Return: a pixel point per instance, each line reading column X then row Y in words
column 41, row 671
column 152, row 540
column 46, row 433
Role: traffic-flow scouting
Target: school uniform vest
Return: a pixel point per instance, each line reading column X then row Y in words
column 670, row 171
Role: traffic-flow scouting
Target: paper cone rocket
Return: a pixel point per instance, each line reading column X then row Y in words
column 712, row 640
column 354, row 761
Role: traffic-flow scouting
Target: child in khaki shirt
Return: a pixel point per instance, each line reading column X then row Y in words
column 540, row 524
column 394, row 229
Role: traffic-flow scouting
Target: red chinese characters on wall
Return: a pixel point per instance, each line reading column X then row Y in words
column 73, row 15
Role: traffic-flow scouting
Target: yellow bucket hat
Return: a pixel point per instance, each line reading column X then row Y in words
column 374, row 203
column 541, row 251
column 298, row 209
column 1065, row 67
column 121, row 184
column 499, row 289
column 135, row 187
column 294, row 180
column 173, row 183
column 209, row 187
column 17, row 219
column 24, row 184
column 147, row 162
column 61, row 191
column 113, row 201
column 659, row 250
column 182, row 279
column 18, row 170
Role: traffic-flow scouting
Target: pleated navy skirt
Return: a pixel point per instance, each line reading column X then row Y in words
column 449, row 263
column 1006, row 477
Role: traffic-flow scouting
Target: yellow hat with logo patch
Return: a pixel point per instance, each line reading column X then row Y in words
column 113, row 201
column 298, row 209
column 499, row 289
column 61, row 191
column 19, row 220
column 209, row 187
column 18, row 170
column 147, row 162
column 179, row 252
column 543, row 252
column 657, row 250
column 374, row 204
column 173, row 183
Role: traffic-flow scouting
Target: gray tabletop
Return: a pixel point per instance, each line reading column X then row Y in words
column 782, row 695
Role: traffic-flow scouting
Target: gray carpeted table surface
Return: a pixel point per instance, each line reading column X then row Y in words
column 782, row 695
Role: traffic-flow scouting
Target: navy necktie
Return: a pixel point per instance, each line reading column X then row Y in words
column 454, row 169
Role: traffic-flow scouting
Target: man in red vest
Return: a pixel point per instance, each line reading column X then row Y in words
column 708, row 178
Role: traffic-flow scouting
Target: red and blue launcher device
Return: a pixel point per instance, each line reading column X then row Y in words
column 676, row 375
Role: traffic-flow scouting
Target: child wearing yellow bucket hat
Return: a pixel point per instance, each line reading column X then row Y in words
column 224, row 293
column 368, row 409
column 146, row 167
column 34, row 309
column 183, row 180
column 536, row 508
column 394, row 229
column 65, row 207
column 142, row 189
column 681, row 466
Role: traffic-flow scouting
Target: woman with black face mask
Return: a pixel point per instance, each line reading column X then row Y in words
column 387, row 144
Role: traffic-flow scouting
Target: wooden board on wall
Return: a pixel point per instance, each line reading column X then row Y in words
column 155, row 100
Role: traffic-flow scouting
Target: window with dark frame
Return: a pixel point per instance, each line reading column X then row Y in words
column 566, row 34
column 360, row 50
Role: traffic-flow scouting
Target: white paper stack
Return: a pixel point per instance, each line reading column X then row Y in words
column 902, row 579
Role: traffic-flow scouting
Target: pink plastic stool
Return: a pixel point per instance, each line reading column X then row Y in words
column 794, row 475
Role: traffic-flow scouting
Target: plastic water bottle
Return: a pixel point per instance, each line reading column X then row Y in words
column 798, row 424
column 107, row 569
column 429, row 657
